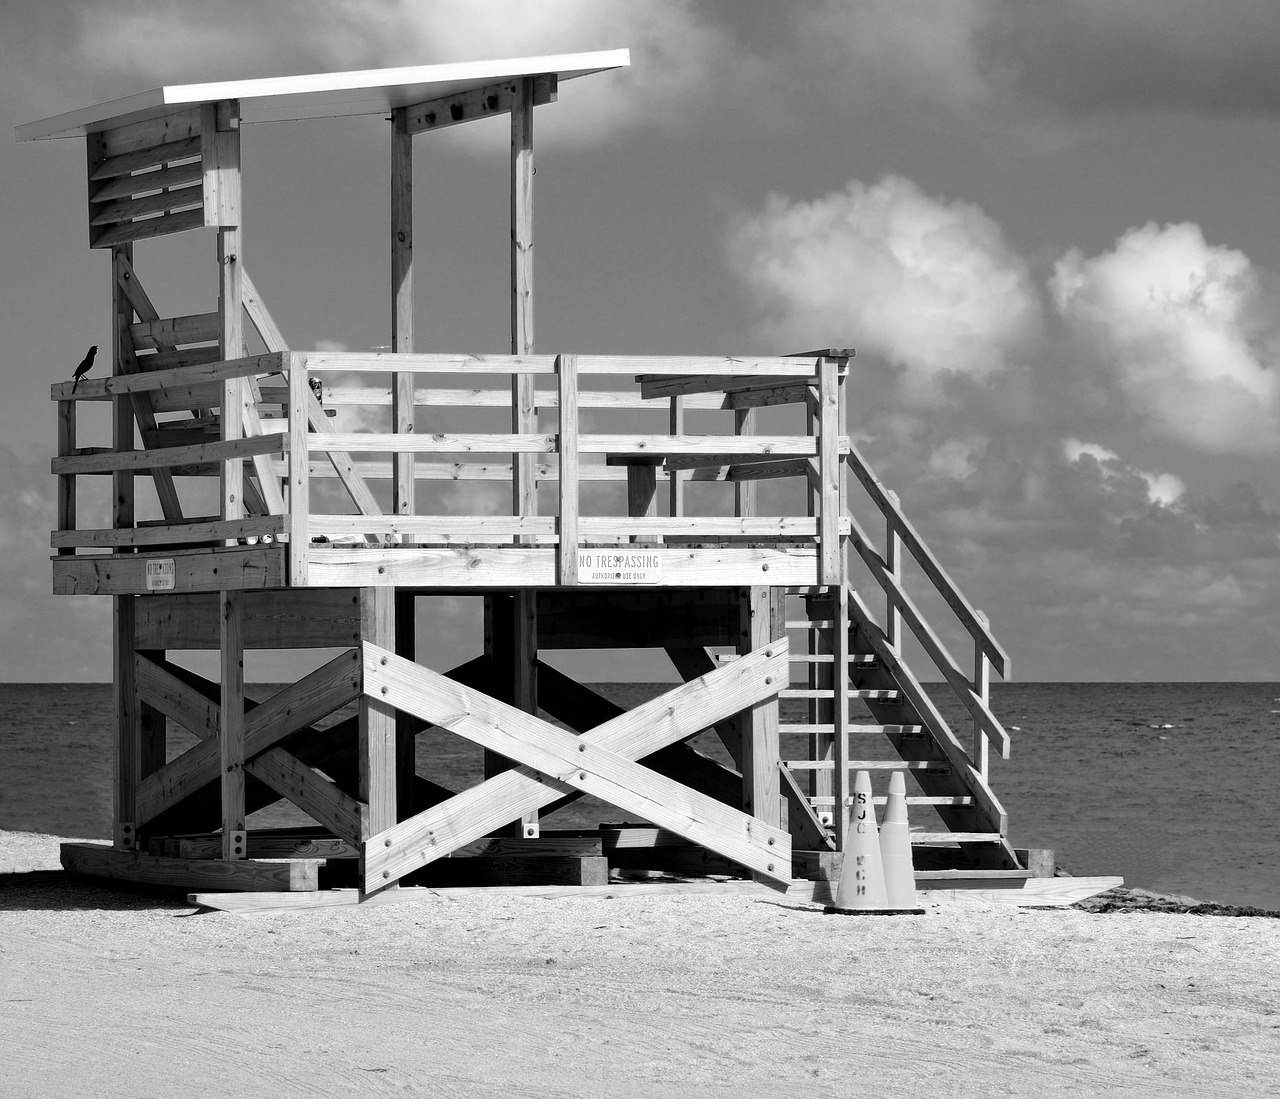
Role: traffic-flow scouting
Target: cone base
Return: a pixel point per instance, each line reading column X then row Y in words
column 832, row 910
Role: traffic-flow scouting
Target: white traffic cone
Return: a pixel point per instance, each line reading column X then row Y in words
column 861, row 888
column 895, row 850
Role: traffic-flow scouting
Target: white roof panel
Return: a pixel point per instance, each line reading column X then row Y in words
column 322, row 95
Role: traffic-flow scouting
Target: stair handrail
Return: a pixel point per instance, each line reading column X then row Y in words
column 973, row 620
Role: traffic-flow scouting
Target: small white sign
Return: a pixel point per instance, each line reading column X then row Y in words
column 160, row 574
column 619, row 566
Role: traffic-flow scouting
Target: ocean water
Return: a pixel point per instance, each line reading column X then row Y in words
column 1171, row 785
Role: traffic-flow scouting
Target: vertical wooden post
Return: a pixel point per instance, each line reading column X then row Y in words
column 642, row 494
column 831, row 571
column 405, row 610
column 840, row 677
column 675, row 477
column 299, row 467
column 744, row 492
column 822, row 710
column 982, row 688
column 220, row 147
column 893, row 561
column 377, row 724
column 231, row 723
column 66, row 482
column 524, row 415
column 762, row 621
column 128, row 731
column 567, row 379
column 402, row 408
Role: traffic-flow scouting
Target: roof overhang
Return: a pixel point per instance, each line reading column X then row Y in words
column 321, row 95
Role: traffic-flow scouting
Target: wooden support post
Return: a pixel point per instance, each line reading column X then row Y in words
column 567, row 378
column 831, row 560
column 220, row 137
column 406, row 630
column 840, row 675
column 524, row 414
column 128, row 732
column 67, row 411
column 744, row 492
column 982, row 688
column 300, row 396
column 642, row 494
column 402, row 407
column 676, row 477
column 763, row 622
column 377, row 722
column 231, row 724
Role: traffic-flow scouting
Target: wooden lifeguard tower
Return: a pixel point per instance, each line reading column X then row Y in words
column 329, row 533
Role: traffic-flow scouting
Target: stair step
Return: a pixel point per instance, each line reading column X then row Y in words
column 956, row 837
column 936, row 766
column 856, row 660
column 957, row 802
column 819, row 692
column 902, row 730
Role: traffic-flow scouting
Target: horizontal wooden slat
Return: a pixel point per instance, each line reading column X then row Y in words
column 178, row 125
column 812, row 728
column 127, row 186
column 377, row 397
column 417, row 363
column 172, row 456
column 678, row 386
column 135, row 161
column 170, row 534
column 99, row 860
column 150, row 381
column 126, row 231
column 938, row 766
column 445, row 526
column 174, row 360
column 493, row 100
column 720, row 449
column 957, row 802
column 358, row 442
column 238, row 567
column 162, row 202
column 300, row 618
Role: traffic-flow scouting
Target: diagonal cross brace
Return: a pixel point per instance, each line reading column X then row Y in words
column 600, row 762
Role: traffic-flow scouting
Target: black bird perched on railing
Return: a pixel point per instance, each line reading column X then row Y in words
column 85, row 364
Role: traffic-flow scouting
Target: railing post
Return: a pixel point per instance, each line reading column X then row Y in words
column 299, row 467
column 567, row 379
column 893, row 560
column 66, row 481
column 402, row 398
column 831, row 571
column 676, row 478
column 982, row 688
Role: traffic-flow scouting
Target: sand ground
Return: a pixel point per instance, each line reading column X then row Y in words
column 108, row 992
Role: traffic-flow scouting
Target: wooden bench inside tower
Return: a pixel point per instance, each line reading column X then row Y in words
column 263, row 496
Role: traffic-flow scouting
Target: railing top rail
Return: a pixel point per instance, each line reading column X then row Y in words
column 969, row 617
column 150, row 381
column 545, row 364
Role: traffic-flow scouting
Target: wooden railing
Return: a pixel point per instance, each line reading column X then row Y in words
column 973, row 690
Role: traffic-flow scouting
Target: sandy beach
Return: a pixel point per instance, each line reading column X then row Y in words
column 113, row 992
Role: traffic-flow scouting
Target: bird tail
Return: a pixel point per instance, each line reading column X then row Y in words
column 75, row 383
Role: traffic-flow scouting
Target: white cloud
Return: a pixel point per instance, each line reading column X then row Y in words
column 1164, row 489
column 1185, row 329
column 927, row 283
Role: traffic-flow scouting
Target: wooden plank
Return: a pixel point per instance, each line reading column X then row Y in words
column 285, row 619
column 178, row 125
column 259, row 315
column 534, row 566
column 377, row 736
column 108, row 213
column 568, row 473
column 487, row 102
column 840, row 718
column 618, row 400
column 675, row 479
column 830, row 503
column 723, row 448
column 212, row 531
column 445, row 527
column 300, row 396
column 113, row 574
column 293, row 844
column 761, row 625
column 126, row 232
column 220, row 154
column 545, row 364
column 461, row 443
column 102, row 862
column 588, row 762
column 231, row 726
column 124, row 163
column 126, row 767
column 66, row 520
column 402, row 300
column 228, row 450
column 151, row 380
column 657, row 386
column 316, row 796
column 123, row 187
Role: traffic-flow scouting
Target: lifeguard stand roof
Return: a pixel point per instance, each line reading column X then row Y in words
column 321, row 95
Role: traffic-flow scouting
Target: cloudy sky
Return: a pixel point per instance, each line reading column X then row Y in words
column 1050, row 231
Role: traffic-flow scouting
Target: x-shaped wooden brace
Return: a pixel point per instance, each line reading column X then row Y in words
column 601, row 762
column 295, row 707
